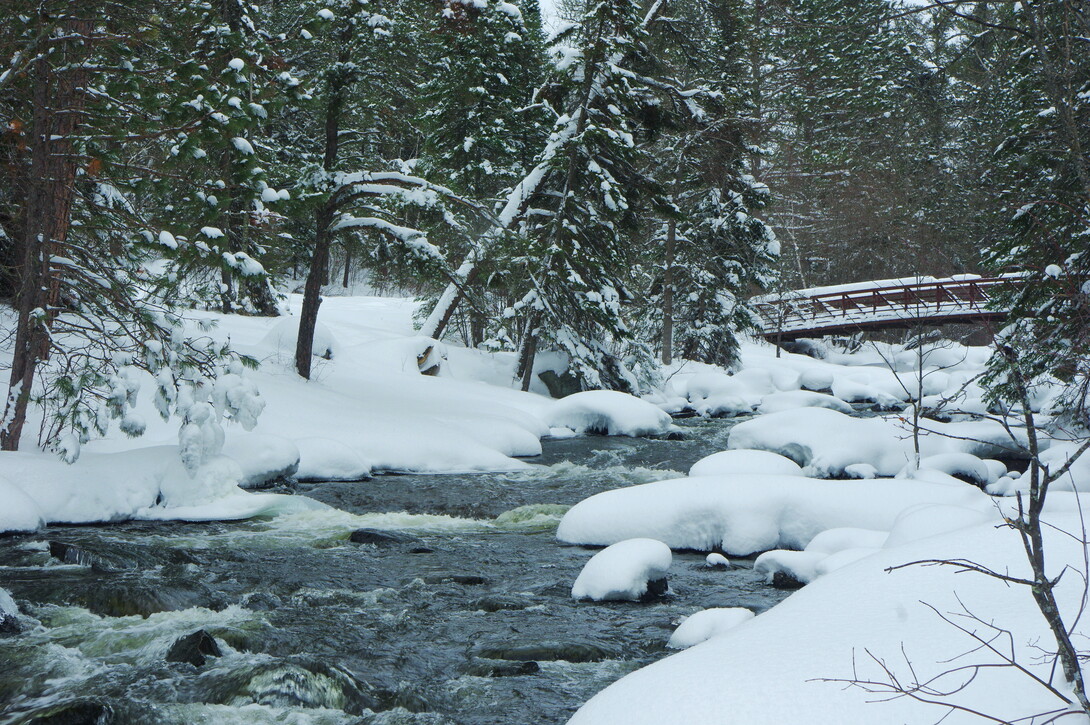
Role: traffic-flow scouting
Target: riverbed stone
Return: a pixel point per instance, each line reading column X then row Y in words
column 577, row 651
column 194, row 648
column 783, row 580
column 501, row 668
column 77, row 712
column 9, row 624
column 499, row 602
column 380, row 538
column 656, row 589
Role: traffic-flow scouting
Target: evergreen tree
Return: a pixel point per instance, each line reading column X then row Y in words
column 92, row 308
column 582, row 206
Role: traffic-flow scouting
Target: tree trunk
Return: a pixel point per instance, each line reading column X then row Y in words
column 58, row 108
column 668, row 295
column 528, row 351
column 347, row 266
column 312, row 293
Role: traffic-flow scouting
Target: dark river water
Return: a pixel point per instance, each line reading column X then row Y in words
column 462, row 615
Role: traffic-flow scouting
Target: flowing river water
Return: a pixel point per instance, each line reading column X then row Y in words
column 457, row 611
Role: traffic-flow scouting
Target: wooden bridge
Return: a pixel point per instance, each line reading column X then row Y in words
column 878, row 305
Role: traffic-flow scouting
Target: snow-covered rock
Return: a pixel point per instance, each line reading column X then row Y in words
column 716, row 561
column 824, row 441
column 738, row 461
column 792, row 399
column 626, row 571
column 960, row 465
column 745, row 514
column 9, row 613
column 609, row 412
column 821, row 631
column 702, row 626
column 262, row 458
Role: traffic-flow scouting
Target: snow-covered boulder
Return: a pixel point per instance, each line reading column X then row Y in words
column 733, row 462
column 630, row 570
column 746, row 514
column 964, row 466
column 792, row 399
column 324, row 459
column 9, row 613
column 854, row 391
column 717, row 395
column 262, row 458
column 826, row 552
column 609, row 412
column 816, row 378
column 709, row 623
column 825, row 441
column 717, row 561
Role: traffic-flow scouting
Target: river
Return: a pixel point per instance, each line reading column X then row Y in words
column 457, row 611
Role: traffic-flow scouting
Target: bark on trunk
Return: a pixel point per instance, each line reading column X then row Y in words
column 528, row 351
column 312, row 293
column 59, row 102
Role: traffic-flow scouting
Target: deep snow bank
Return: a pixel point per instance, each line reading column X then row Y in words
column 772, row 670
column 743, row 514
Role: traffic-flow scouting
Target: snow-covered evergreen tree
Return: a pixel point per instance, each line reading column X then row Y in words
column 95, row 309
column 578, row 211
column 220, row 98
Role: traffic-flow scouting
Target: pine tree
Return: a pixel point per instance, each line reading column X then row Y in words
column 220, row 98
column 93, row 309
column 580, row 207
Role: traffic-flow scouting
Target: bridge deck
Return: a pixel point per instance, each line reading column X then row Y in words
column 878, row 305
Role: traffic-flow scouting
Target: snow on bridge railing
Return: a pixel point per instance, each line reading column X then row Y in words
column 878, row 303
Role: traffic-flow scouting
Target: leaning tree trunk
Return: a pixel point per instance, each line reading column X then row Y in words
column 58, row 108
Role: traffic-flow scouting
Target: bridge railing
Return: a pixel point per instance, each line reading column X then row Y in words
column 794, row 311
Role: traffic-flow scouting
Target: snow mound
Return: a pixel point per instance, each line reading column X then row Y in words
column 609, row 412
column 792, row 399
column 262, row 458
column 622, row 571
column 745, row 514
column 715, row 394
column 702, row 626
column 284, row 336
column 824, row 441
column 323, row 459
column 821, row 632
column 826, row 552
column 958, row 465
column 18, row 512
column 732, row 462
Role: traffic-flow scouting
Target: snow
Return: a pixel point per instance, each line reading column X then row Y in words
column 746, row 514
column 609, row 412
column 730, row 462
column 792, row 399
column 621, row 572
column 262, row 458
column 836, row 623
column 323, row 459
column 704, row 625
column 826, row 443
column 954, row 464
column 714, row 560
